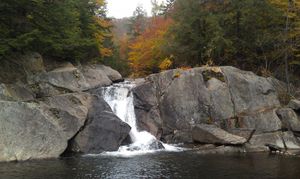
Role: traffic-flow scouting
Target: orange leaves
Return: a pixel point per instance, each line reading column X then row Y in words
column 146, row 53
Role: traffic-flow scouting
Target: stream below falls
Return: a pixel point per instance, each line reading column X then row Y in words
column 171, row 165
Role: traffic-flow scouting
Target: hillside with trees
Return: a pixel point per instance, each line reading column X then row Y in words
column 65, row 30
column 256, row 35
column 262, row 36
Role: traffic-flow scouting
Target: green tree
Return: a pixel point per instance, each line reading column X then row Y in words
column 233, row 32
column 66, row 29
column 196, row 35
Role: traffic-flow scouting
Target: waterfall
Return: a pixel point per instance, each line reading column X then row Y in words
column 120, row 99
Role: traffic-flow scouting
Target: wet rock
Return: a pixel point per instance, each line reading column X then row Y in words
column 149, row 121
column 156, row 145
column 146, row 108
column 289, row 119
column 103, row 131
column 211, row 134
column 151, row 145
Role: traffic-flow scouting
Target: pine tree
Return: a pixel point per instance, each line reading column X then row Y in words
column 68, row 29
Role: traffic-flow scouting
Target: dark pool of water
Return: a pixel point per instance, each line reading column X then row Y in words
column 159, row 165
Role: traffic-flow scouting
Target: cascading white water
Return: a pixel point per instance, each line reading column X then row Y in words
column 120, row 99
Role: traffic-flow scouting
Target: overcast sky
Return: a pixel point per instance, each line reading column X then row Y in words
column 125, row 8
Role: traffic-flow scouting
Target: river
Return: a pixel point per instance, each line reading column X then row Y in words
column 186, row 164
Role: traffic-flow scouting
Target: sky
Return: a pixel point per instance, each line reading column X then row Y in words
column 125, row 8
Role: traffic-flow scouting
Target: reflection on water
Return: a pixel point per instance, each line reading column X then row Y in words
column 158, row 165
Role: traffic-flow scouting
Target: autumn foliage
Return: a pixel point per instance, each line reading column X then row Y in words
column 146, row 51
column 256, row 35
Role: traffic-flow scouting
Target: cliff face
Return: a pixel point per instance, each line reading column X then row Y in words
column 48, row 111
column 217, row 105
column 44, row 111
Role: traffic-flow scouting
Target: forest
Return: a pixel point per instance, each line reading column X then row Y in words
column 262, row 36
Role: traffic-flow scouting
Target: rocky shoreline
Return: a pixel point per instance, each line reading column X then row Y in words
column 217, row 105
column 51, row 112
column 58, row 111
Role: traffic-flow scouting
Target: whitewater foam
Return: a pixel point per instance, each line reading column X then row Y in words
column 120, row 99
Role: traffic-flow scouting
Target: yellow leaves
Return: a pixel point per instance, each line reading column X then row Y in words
column 165, row 64
column 106, row 52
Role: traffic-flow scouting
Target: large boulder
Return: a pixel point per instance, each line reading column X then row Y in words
column 27, row 133
column 103, row 131
column 69, row 111
column 95, row 76
column 211, row 134
column 174, row 101
column 69, row 78
column 146, row 109
column 112, row 74
column 41, row 129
